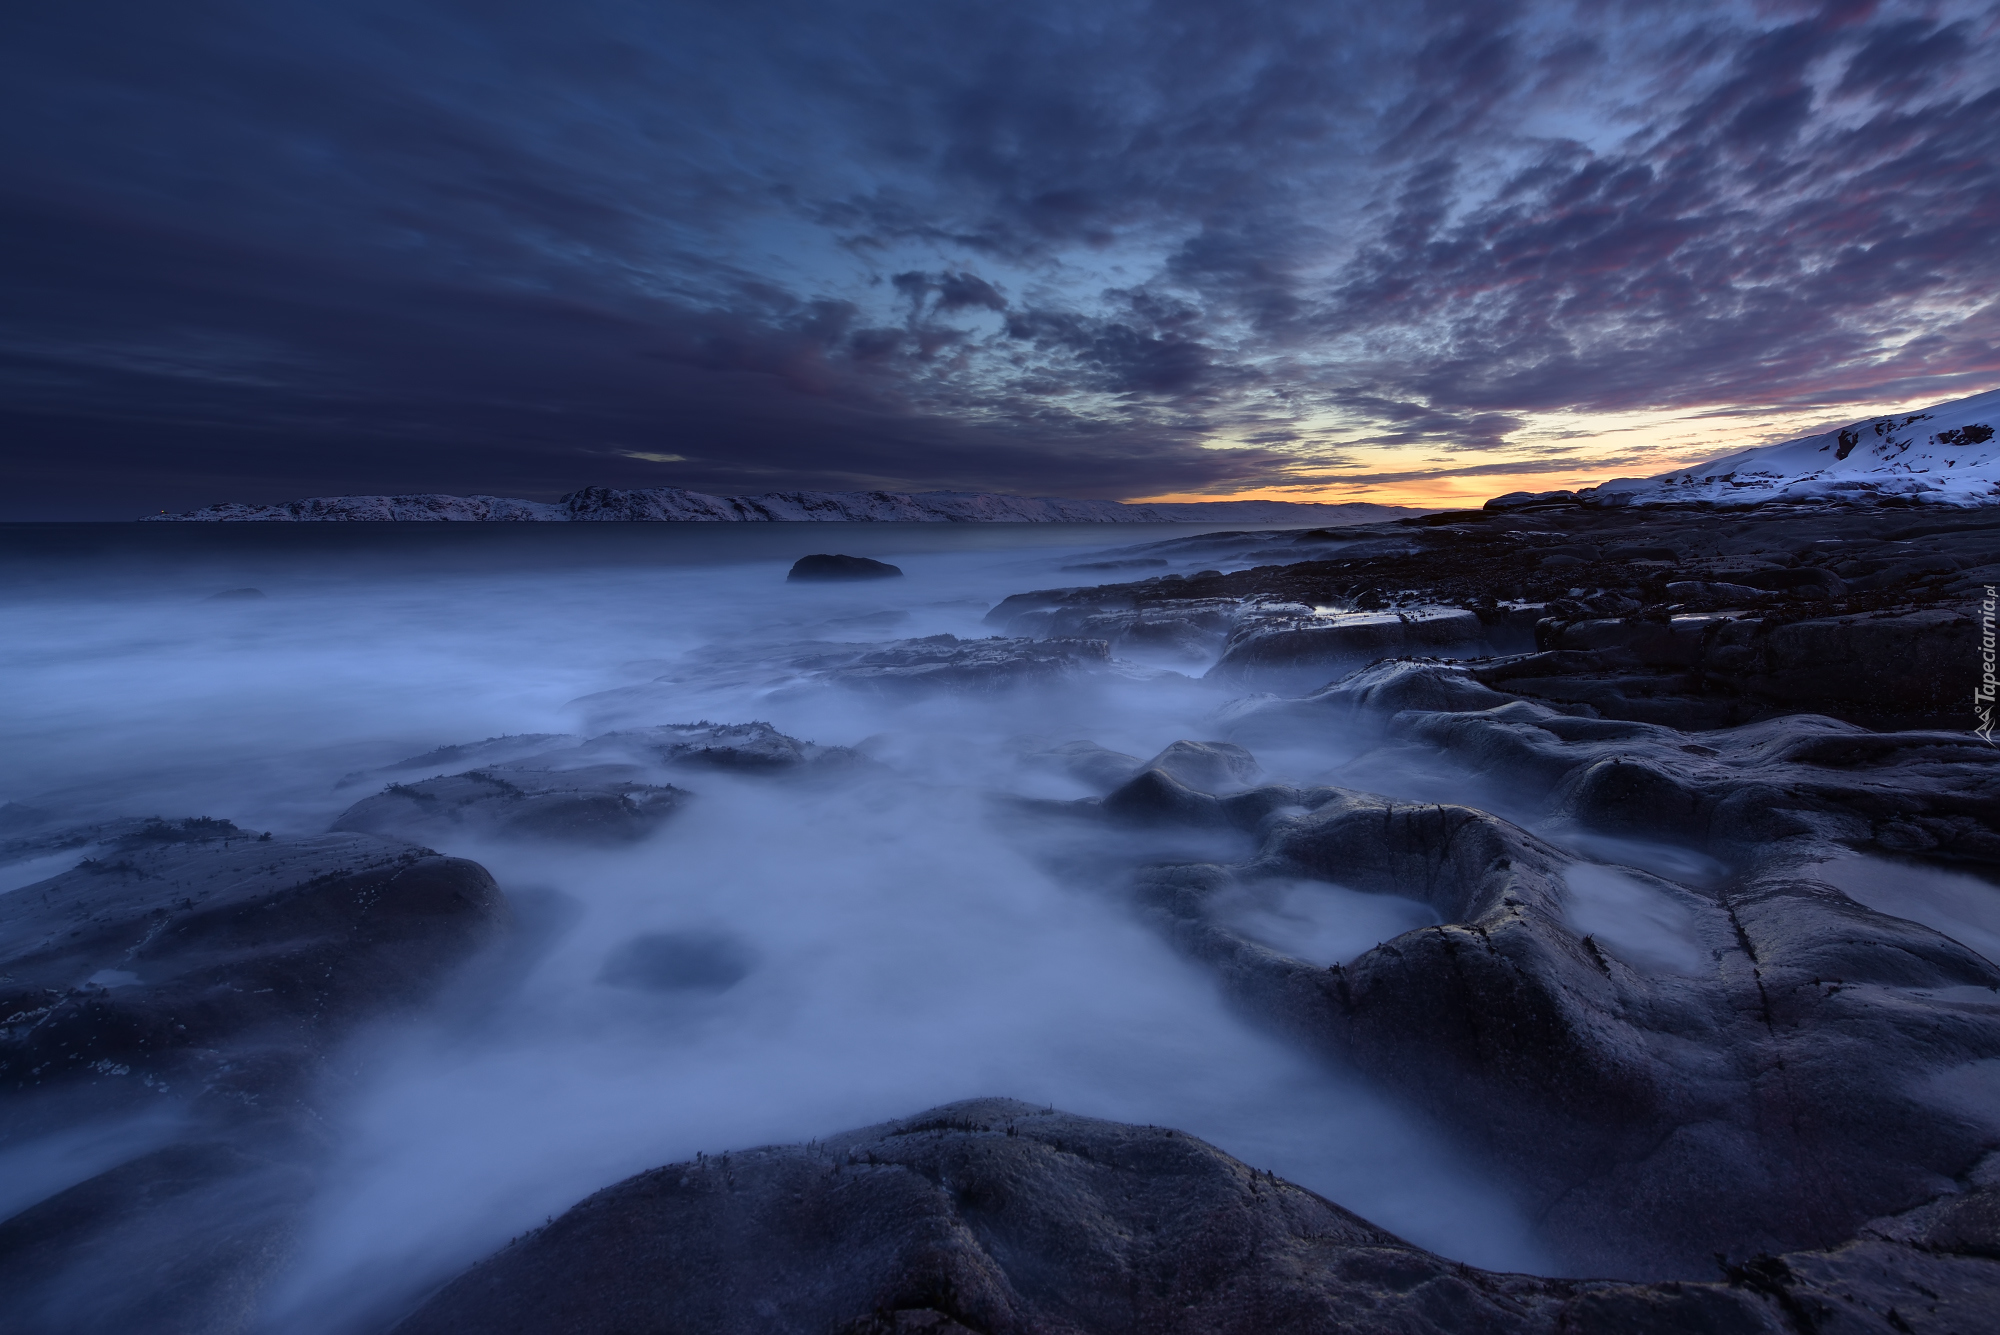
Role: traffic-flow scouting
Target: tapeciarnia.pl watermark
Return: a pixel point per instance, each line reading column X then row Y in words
column 1982, row 695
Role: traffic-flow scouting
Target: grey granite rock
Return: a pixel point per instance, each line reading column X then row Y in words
column 192, row 977
column 175, row 950
column 590, row 804
column 998, row 1217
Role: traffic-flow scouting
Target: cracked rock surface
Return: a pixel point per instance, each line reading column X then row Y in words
column 999, row 1217
column 190, row 978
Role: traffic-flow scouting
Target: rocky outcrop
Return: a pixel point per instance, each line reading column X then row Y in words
column 892, row 669
column 174, row 945
column 1759, row 1093
column 660, row 750
column 1191, row 632
column 590, row 804
column 1736, row 789
column 824, row 567
column 1280, row 646
column 186, row 983
column 1670, row 616
column 611, row 788
column 999, row 1217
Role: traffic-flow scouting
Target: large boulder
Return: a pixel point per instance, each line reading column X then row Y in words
column 1000, row 1217
column 167, row 950
column 825, row 567
column 172, row 1000
column 1667, row 1071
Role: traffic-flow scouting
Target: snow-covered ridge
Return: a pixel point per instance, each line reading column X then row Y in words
column 1945, row 455
column 676, row 504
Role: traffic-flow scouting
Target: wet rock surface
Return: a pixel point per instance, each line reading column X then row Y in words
column 997, row 1216
column 591, row 804
column 1639, row 744
column 824, row 568
column 611, row 788
column 1737, row 1072
column 186, row 937
column 1684, row 615
column 191, row 978
column 929, row 665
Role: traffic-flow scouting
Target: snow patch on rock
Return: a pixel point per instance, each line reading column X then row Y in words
column 1947, row 454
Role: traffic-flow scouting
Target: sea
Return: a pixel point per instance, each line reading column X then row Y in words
column 913, row 936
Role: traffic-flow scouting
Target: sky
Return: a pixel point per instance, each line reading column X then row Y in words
column 1413, row 253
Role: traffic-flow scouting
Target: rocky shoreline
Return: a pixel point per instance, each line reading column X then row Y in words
column 1758, row 1101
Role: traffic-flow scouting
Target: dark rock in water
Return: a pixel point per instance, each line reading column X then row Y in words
column 1192, row 631
column 1284, row 646
column 179, row 1241
column 591, row 804
column 1610, row 1036
column 947, row 663
column 826, row 567
column 1210, row 767
column 749, row 748
column 1088, row 763
column 197, row 967
column 1000, row 1217
column 234, row 595
column 178, row 943
column 679, row 962
column 1704, row 594
column 515, row 748
column 933, row 664
column 1853, row 568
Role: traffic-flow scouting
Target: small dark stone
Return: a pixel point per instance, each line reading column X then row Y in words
column 678, row 962
column 828, row 567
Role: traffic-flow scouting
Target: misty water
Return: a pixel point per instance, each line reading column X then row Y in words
column 782, row 960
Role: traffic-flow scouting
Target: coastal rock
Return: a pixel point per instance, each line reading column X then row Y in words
column 997, row 1216
column 165, row 950
column 892, row 669
column 750, row 748
column 1894, row 668
column 590, row 804
column 185, row 984
column 1212, row 767
column 947, row 663
column 1088, row 763
column 1287, row 646
column 1193, row 631
column 1745, row 1059
column 823, row 568
column 611, row 788
column 1735, row 789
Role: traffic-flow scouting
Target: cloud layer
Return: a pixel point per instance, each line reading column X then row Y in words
column 1127, row 249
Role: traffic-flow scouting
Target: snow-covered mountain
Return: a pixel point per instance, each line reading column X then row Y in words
column 1947, row 455
column 676, row 504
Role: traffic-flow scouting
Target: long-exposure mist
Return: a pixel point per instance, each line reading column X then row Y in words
column 1082, row 667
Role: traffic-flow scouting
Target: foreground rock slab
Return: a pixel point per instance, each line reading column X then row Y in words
column 997, row 1217
column 178, row 994
column 188, row 937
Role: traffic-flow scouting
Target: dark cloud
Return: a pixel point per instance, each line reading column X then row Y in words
column 257, row 250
